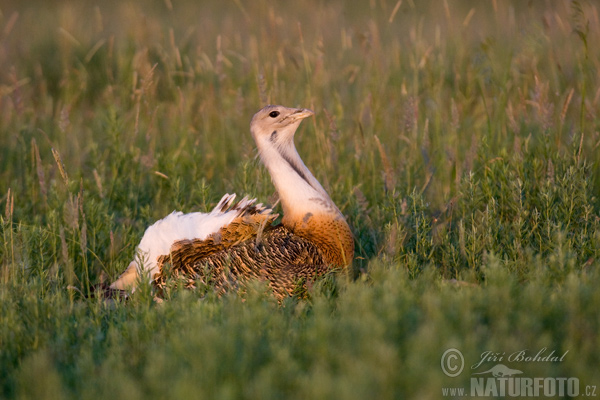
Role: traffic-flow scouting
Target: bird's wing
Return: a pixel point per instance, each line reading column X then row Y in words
column 276, row 255
column 179, row 229
column 248, row 226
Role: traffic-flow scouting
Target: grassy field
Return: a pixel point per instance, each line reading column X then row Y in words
column 460, row 138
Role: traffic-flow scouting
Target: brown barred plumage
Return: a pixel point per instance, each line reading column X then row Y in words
column 280, row 258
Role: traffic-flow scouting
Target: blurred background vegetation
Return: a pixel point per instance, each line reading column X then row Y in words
column 460, row 138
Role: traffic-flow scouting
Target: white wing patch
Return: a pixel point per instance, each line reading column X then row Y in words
column 159, row 237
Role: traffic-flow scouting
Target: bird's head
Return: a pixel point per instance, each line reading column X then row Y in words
column 274, row 126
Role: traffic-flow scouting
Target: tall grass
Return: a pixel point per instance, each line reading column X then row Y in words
column 459, row 138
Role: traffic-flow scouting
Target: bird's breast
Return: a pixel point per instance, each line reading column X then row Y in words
column 329, row 232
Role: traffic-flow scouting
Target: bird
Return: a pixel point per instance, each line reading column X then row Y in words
column 240, row 241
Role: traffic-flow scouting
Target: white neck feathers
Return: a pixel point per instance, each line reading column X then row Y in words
column 299, row 191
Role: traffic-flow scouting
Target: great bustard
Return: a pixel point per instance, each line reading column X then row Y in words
column 237, row 241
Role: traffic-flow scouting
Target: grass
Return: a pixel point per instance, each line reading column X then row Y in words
column 460, row 139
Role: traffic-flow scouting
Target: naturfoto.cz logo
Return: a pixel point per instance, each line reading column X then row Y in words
column 500, row 380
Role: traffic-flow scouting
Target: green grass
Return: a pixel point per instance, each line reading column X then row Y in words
column 461, row 140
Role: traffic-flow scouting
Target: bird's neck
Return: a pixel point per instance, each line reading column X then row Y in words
column 308, row 210
column 298, row 189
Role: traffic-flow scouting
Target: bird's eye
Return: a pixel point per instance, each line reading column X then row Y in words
column 273, row 114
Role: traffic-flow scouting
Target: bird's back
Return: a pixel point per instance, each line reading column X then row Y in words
column 244, row 250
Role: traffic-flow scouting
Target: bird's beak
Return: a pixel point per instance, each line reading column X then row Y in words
column 301, row 113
